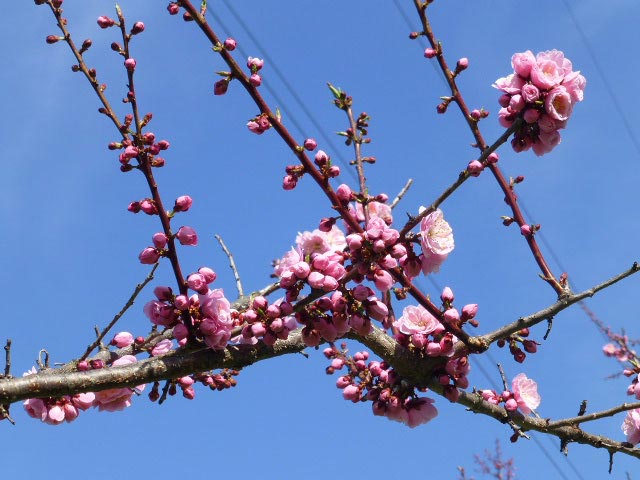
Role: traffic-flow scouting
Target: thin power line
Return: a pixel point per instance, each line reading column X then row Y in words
column 274, row 66
column 607, row 85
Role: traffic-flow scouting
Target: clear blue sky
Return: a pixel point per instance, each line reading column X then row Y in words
column 70, row 247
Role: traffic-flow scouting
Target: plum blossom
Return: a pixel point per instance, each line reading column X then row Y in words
column 115, row 399
column 525, row 392
column 416, row 319
column 631, row 426
column 543, row 91
column 437, row 241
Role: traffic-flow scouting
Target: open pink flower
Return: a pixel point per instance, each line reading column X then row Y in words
column 115, row 399
column 419, row 411
column 631, row 426
column 525, row 392
column 437, row 241
column 416, row 319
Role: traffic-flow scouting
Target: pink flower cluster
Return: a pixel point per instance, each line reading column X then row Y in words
column 542, row 91
column 209, row 309
column 378, row 383
column 55, row 411
column 523, row 395
column 147, row 152
column 268, row 322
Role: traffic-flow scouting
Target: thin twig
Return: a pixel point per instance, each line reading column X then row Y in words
column 594, row 416
column 402, row 193
column 7, row 356
column 122, row 311
column 232, row 264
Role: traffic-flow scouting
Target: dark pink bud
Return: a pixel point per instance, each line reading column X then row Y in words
column 106, row 22
column 137, row 28
column 462, row 64
column 221, row 86
column 230, row 44
column 182, row 203
column 208, row 274
column 163, row 292
column 475, row 168
column 130, row 64
column 255, row 80
column 149, row 256
column 159, row 240
column 344, row 193
column 197, row 282
column 289, row 182
column 163, row 145
column 530, row 346
column 430, row 53
column 447, row 295
column 181, row 302
column 493, row 158
column 321, row 158
column 173, row 8
column 310, row 144
column 476, row 114
column 260, row 303
column 334, row 171
column 326, row 224
column 525, row 230
column 469, row 311
column 187, row 236
column 96, row 364
column 451, row 393
column 51, row 39
column 83, row 366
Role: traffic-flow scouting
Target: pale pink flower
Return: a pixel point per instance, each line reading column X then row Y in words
column 525, row 392
column 631, row 426
column 575, row 84
column 416, row 319
column 162, row 347
column 511, row 84
column 115, row 399
column 375, row 209
column 289, row 259
column 437, row 241
column 522, row 63
column 558, row 103
column 122, row 339
column 312, row 242
column 419, row 411
column 214, row 305
column 549, row 70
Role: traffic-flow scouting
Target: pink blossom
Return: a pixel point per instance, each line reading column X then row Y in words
column 183, row 203
column 162, row 347
column 122, row 339
column 523, row 62
column 375, row 209
column 575, row 84
column 255, row 63
column 631, row 426
column 160, row 313
column 214, row 305
column 289, row 259
column 525, row 392
column 549, row 69
column 115, row 399
column 416, row 319
column 511, row 84
column 558, row 103
column 187, row 236
column 149, row 256
column 437, row 241
column 419, row 411
column 530, row 93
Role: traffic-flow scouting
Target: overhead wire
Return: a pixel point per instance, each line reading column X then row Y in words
column 489, row 357
column 302, row 106
column 289, row 115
